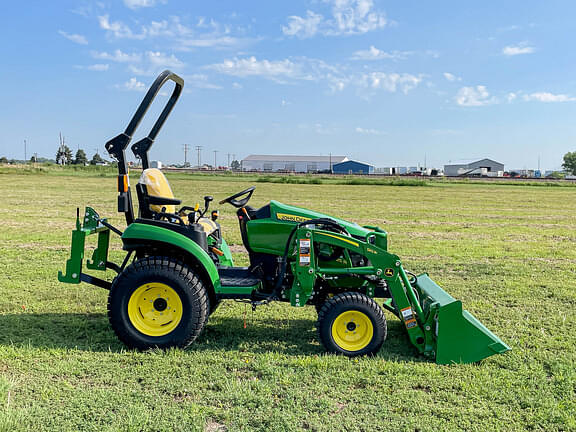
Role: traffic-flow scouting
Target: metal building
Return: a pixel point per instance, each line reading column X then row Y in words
column 290, row 163
column 352, row 167
column 484, row 167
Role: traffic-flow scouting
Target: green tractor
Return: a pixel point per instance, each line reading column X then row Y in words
column 178, row 268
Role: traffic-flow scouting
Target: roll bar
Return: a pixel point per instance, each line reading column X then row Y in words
column 116, row 147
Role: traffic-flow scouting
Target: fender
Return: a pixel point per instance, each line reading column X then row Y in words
column 139, row 231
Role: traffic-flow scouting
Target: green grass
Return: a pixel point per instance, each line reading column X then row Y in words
column 508, row 252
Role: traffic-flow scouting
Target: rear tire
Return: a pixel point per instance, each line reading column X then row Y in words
column 158, row 302
column 351, row 324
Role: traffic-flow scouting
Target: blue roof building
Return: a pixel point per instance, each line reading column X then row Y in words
column 352, row 167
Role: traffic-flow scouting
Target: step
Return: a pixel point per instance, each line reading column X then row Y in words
column 237, row 277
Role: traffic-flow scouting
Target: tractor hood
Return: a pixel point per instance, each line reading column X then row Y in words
column 288, row 213
column 269, row 233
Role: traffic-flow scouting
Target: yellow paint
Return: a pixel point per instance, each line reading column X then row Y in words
column 144, row 315
column 352, row 330
column 339, row 238
column 157, row 185
column 208, row 225
column 291, row 218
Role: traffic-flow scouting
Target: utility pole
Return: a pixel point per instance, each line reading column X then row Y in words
column 186, row 148
column 228, row 160
column 330, row 163
column 199, row 151
column 25, row 154
column 215, row 152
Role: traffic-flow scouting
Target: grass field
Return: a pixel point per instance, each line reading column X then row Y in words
column 508, row 252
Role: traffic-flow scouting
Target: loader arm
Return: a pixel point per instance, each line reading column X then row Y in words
column 435, row 322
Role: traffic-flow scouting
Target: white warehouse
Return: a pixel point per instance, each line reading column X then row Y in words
column 484, row 167
column 290, row 163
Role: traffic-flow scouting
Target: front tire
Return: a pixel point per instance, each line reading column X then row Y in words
column 351, row 324
column 158, row 302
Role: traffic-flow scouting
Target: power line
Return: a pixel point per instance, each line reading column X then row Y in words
column 199, row 150
column 186, row 148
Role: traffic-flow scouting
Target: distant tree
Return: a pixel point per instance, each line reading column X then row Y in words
column 96, row 159
column 33, row 159
column 80, row 158
column 570, row 162
column 3, row 160
column 64, row 155
column 235, row 165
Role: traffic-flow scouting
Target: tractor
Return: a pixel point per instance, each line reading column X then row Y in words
column 178, row 267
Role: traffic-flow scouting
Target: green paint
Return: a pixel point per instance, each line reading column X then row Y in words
column 90, row 225
column 137, row 231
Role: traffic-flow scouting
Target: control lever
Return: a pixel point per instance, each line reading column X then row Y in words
column 207, row 200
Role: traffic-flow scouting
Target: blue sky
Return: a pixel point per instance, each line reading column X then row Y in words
column 389, row 82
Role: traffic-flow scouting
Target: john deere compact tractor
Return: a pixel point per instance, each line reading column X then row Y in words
column 178, row 267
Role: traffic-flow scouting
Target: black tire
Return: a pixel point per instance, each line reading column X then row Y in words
column 346, row 304
column 159, row 271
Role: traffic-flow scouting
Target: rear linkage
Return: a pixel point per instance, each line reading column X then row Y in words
column 91, row 224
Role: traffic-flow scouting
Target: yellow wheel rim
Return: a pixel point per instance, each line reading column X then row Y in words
column 155, row 309
column 352, row 330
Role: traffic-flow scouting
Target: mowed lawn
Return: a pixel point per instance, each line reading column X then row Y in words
column 508, row 252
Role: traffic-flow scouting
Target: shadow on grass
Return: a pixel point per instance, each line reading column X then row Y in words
column 91, row 332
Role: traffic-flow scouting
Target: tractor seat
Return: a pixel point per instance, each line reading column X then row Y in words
column 153, row 183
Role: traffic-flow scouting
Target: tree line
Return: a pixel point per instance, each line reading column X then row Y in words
column 64, row 157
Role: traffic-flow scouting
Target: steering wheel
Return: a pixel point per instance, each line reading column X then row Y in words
column 242, row 202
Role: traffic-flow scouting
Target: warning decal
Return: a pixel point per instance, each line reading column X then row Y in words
column 408, row 317
column 304, row 252
column 407, row 313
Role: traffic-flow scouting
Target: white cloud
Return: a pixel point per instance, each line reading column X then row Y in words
column 76, row 38
column 451, row 77
column 118, row 56
column 148, row 63
column 474, row 96
column 305, row 69
column 390, row 82
column 548, row 97
column 347, row 17
column 137, row 4
column 369, row 131
column 95, row 67
column 117, row 28
column 374, row 53
column 157, row 58
column 303, row 27
column 133, row 85
column 511, row 97
column 357, row 16
column 513, row 50
column 208, row 42
column 200, row 81
column 253, row 67
column 206, row 34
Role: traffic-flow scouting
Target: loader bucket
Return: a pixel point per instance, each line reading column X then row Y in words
column 460, row 338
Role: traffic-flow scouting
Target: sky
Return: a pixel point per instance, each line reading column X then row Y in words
column 392, row 83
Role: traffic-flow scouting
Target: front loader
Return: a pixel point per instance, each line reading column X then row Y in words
column 178, row 268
